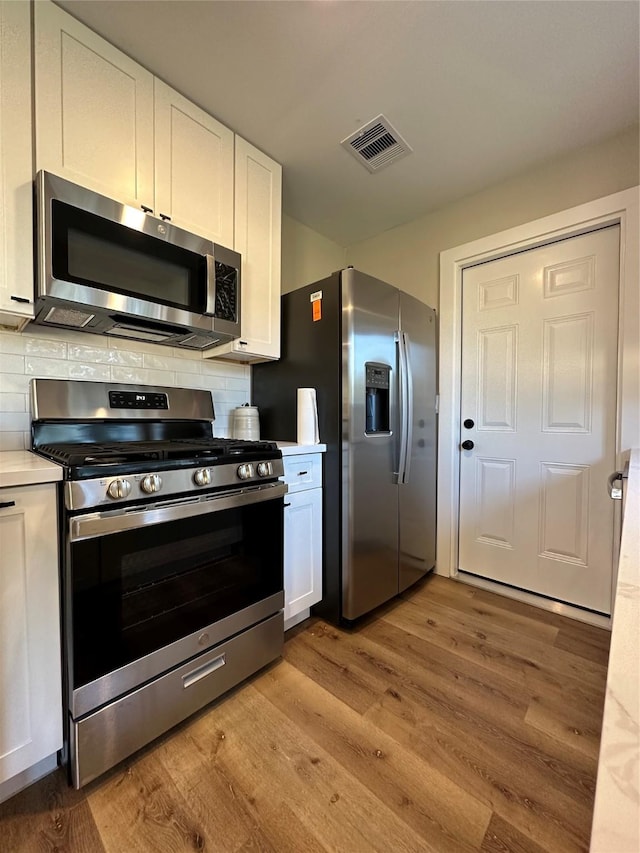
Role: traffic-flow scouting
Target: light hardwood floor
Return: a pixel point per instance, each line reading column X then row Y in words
column 453, row 720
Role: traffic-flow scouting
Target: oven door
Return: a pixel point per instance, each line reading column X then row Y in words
column 151, row 586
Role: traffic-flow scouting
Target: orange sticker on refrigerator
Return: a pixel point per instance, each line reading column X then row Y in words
column 316, row 305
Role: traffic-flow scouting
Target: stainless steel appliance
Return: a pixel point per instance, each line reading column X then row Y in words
column 110, row 269
column 369, row 350
column 172, row 559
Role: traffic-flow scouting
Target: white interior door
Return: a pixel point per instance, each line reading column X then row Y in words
column 539, row 375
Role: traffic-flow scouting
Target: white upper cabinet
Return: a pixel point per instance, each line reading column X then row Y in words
column 104, row 122
column 93, row 110
column 16, row 221
column 258, row 224
column 194, row 167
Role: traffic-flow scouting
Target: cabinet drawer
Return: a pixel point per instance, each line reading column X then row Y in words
column 303, row 471
column 136, row 719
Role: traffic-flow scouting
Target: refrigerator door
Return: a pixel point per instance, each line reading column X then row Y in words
column 369, row 443
column 417, row 489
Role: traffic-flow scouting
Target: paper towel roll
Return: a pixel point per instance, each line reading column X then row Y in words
column 307, row 417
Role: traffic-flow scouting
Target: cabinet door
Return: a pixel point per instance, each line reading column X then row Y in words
column 194, row 167
column 30, row 679
column 93, row 108
column 258, row 213
column 302, row 551
column 16, row 221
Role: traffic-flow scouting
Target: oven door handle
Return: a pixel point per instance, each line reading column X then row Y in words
column 101, row 524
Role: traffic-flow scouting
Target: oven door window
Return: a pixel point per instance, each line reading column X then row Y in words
column 140, row 590
column 91, row 250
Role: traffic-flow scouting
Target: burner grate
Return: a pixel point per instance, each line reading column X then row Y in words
column 118, row 453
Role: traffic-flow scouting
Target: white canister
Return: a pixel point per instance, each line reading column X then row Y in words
column 245, row 423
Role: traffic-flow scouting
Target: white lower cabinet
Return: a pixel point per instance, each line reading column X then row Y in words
column 30, row 677
column 302, row 535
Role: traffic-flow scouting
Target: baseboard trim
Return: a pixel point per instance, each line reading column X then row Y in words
column 295, row 620
column 22, row 780
column 568, row 610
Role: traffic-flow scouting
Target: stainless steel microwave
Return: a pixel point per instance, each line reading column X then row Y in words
column 110, row 269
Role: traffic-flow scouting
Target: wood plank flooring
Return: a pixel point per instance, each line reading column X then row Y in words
column 452, row 720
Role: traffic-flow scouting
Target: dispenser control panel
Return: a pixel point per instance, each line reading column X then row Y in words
column 377, row 375
column 377, row 382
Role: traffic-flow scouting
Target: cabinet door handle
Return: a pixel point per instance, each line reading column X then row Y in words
column 6, row 504
column 287, row 504
column 165, row 217
column 146, row 209
column 302, row 473
column 20, row 299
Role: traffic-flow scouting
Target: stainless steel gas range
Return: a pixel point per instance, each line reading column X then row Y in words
column 172, row 554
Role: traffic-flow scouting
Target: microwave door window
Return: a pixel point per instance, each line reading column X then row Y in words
column 91, row 250
column 105, row 264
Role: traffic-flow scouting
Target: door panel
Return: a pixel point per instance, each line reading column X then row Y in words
column 539, row 373
column 93, row 110
column 497, row 377
column 417, row 496
column 30, row 679
column 194, row 161
column 370, row 491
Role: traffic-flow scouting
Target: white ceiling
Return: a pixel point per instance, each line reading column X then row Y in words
column 480, row 89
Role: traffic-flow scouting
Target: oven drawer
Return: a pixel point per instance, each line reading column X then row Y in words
column 102, row 739
column 303, row 471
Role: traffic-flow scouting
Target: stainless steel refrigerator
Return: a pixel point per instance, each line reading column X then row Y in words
column 369, row 350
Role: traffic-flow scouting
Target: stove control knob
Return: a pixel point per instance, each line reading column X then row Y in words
column 118, row 489
column 202, row 477
column 151, row 483
column 264, row 469
column 245, row 472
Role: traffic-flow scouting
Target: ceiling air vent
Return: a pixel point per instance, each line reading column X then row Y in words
column 377, row 144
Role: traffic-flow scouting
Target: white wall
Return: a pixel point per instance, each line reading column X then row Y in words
column 306, row 255
column 54, row 353
column 408, row 256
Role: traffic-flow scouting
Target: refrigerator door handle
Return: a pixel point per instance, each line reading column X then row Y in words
column 406, row 408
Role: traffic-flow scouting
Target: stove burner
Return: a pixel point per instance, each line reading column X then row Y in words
column 211, row 450
column 78, row 427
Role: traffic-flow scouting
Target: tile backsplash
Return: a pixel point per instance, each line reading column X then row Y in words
column 59, row 354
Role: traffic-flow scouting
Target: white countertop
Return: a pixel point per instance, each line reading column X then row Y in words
column 23, row 468
column 616, row 816
column 290, row 448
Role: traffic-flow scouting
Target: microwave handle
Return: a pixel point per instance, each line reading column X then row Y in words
column 210, row 310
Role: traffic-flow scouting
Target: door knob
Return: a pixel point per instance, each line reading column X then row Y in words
column 467, row 445
column 468, row 423
column 615, row 492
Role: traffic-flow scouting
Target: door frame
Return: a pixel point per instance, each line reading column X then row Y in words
column 618, row 209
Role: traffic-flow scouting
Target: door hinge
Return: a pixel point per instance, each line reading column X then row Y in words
column 437, row 404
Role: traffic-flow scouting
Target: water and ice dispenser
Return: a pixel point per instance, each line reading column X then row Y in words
column 377, row 401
